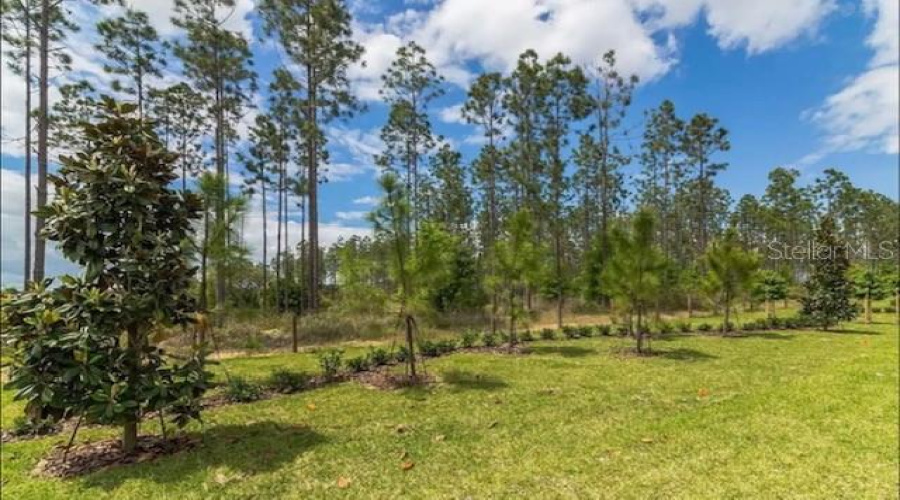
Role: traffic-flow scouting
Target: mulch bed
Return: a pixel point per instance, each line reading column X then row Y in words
column 98, row 455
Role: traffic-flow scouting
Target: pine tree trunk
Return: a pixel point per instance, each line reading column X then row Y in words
column 294, row 339
column 868, row 308
column 265, row 254
column 26, row 275
column 40, row 245
column 410, row 345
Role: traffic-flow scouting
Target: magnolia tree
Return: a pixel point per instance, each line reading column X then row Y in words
column 827, row 300
column 83, row 348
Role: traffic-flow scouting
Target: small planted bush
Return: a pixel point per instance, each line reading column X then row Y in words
column 446, row 346
column 623, row 330
column 330, row 361
column 749, row 326
column 489, row 339
column 379, row 356
column 704, row 327
column 605, row 330
column 358, row 364
column 429, row 348
column 727, row 327
column 24, row 426
column 775, row 323
column 548, row 334
column 241, row 390
column 402, row 354
column 570, row 332
column 877, row 310
column 666, row 328
column 685, row 327
column 526, row 336
column 586, row 331
column 468, row 338
column 288, row 381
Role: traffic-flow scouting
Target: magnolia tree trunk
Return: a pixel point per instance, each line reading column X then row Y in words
column 130, row 428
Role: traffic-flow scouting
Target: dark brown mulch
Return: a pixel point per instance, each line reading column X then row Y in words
column 98, row 455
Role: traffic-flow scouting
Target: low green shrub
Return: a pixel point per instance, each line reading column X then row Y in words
column 666, row 328
column 241, row 390
column 488, row 339
column 288, row 381
column 468, row 338
column 330, row 361
column 379, row 356
column 570, row 332
column 24, row 426
column 877, row 310
column 605, row 330
column 358, row 364
column 727, row 327
column 402, row 354
column 685, row 327
column 526, row 336
column 548, row 334
column 704, row 327
column 623, row 330
column 586, row 331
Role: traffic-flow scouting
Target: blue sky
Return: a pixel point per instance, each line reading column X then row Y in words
column 810, row 84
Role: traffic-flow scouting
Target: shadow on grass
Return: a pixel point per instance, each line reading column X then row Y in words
column 683, row 354
column 763, row 335
column 848, row 331
column 244, row 450
column 566, row 351
column 463, row 380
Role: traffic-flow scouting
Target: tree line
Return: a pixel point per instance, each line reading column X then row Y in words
column 536, row 217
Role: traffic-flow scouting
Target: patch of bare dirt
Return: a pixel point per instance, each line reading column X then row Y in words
column 519, row 349
column 98, row 455
column 386, row 380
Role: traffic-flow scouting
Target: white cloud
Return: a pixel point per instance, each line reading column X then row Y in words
column 367, row 200
column 329, row 233
column 452, row 114
column 12, row 237
column 759, row 25
column 864, row 115
column 351, row 215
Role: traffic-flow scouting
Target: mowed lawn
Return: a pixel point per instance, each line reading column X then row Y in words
column 769, row 415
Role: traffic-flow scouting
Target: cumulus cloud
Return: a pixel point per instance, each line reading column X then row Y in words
column 864, row 115
column 367, row 200
column 12, row 237
column 329, row 233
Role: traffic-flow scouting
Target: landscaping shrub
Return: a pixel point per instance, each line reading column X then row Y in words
column 288, row 381
column 623, row 330
column 468, row 338
column 585, row 331
column 570, row 332
column 666, row 328
column 240, row 390
column 488, row 339
column 402, row 354
column 775, row 323
column 446, row 346
column 526, row 336
column 24, row 426
column 685, row 327
column 429, row 348
column 379, row 356
column 548, row 334
column 330, row 360
column 704, row 327
column 727, row 327
column 749, row 326
column 605, row 330
column 358, row 364
column 877, row 310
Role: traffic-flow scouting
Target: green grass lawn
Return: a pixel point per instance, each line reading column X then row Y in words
column 785, row 415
